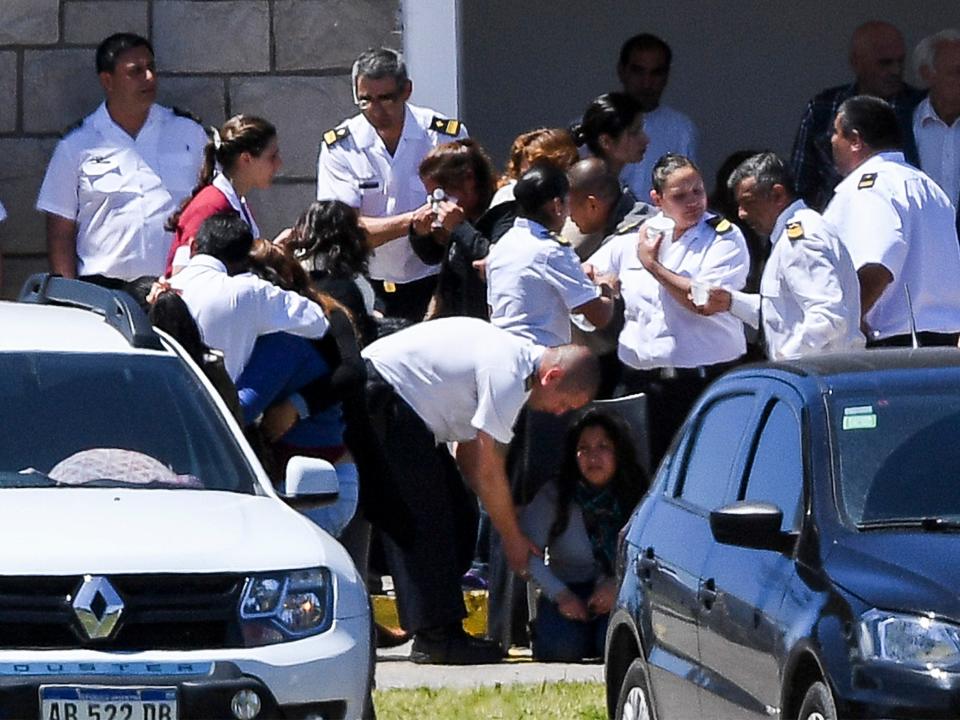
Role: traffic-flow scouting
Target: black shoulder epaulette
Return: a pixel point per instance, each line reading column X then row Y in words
column 445, row 126
column 624, row 228
column 720, row 224
column 332, row 137
column 867, row 180
column 180, row 112
column 794, row 230
column 71, row 127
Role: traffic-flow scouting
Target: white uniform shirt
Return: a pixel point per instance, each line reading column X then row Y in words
column 660, row 332
column 939, row 148
column 459, row 374
column 889, row 213
column 670, row 131
column 233, row 311
column 222, row 183
column 533, row 282
column 120, row 190
column 809, row 290
column 358, row 170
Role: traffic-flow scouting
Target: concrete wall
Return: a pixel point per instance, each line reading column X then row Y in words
column 743, row 69
column 287, row 60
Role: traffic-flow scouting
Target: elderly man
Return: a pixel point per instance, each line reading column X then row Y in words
column 644, row 69
column 898, row 225
column 877, row 56
column 936, row 121
column 459, row 380
column 117, row 175
column 809, row 299
column 371, row 162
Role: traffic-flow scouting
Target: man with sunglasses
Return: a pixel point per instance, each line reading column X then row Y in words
column 371, row 162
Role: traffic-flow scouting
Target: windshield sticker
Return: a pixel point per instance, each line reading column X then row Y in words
column 861, row 417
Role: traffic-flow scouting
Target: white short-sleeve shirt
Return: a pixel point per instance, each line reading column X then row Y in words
column 232, row 311
column 660, row 332
column 459, row 375
column 356, row 168
column 670, row 131
column 120, row 190
column 889, row 213
column 938, row 145
column 534, row 280
column 809, row 292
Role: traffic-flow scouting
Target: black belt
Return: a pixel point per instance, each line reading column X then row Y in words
column 700, row 372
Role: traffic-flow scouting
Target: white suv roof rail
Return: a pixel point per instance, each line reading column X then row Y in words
column 117, row 308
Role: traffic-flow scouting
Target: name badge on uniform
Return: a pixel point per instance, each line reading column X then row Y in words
column 389, row 286
column 368, row 184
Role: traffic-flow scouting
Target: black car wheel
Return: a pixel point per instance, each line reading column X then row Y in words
column 818, row 704
column 634, row 701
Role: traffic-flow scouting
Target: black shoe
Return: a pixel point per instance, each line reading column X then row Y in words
column 450, row 645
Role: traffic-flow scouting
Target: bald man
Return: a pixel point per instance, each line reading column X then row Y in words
column 599, row 207
column 877, row 58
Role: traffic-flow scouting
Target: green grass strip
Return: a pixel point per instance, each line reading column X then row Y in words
column 567, row 700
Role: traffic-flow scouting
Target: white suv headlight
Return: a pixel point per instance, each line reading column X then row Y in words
column 912, row 640
column 286, row 606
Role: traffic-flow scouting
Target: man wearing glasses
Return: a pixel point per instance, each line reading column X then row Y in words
column 371, row 162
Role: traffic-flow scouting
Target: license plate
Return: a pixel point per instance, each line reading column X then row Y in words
column 71, row 702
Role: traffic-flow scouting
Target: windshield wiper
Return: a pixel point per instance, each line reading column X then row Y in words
column 927, row 524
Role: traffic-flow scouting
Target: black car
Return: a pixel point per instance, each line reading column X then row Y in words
column 798, row 555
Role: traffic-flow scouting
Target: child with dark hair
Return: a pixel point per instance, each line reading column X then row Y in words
column 577, row 519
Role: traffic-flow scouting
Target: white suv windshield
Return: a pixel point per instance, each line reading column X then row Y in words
column 112, row 420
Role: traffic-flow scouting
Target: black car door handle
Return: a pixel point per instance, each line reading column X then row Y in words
column 708, row 593
column 646, row 564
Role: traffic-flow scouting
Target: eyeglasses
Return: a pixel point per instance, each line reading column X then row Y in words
column 385, row 100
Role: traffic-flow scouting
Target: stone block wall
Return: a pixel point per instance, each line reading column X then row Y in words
column 287, row 60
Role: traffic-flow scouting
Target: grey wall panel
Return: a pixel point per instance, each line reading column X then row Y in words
column 742, row 70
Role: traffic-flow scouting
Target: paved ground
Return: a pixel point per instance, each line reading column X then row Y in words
column 394, row 670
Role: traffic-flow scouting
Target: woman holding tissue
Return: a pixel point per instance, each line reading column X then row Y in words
column 671, row 352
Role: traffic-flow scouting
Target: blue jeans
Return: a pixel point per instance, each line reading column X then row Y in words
column 558, row 639
column 334, row 517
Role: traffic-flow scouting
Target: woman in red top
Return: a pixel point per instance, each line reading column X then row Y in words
column 242, row 155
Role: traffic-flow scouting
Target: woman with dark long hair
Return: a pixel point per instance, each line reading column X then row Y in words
column 241, row 156
column 577, row 519
column 612, row 129
column 329, row 243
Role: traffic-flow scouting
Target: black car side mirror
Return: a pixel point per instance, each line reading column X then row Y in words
column 749, row 524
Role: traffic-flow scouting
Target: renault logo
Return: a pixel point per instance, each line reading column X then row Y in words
column 98, row 607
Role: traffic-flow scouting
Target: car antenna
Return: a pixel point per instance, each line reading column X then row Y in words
column 913, row 321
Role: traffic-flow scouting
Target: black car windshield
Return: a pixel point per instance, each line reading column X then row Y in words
column 112, row 420
column 897, row 456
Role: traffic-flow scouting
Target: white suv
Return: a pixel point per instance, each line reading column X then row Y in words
column 148, row 569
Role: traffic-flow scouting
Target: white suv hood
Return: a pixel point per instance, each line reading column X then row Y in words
column 66, row 531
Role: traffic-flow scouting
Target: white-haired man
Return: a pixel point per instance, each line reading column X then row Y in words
column 936, row 121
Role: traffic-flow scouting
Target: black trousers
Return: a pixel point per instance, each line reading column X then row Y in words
column 405, row 300
column 924, row 339
column 427, row 569
column 533, row 459
column 669, row 399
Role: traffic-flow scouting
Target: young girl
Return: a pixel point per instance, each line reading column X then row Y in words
column 577, row 519
column 242, row 155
